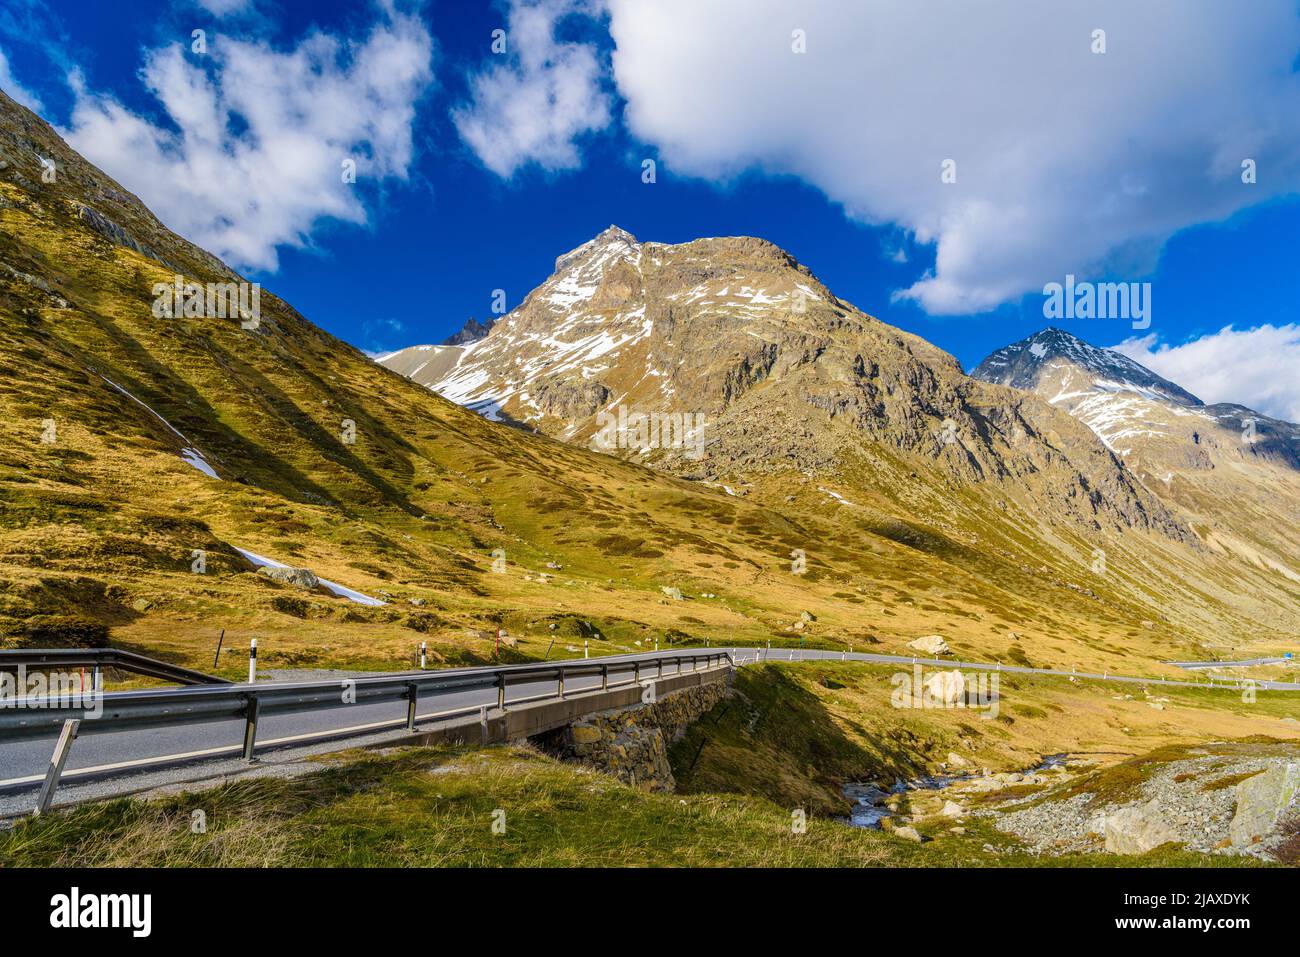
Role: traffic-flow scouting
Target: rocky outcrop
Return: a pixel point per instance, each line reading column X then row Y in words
column 1262, row 800
column 472, row 331
column 946, row 687
column 633, row 744
column 298, row 577
column 930, row 645
column 1137, row 829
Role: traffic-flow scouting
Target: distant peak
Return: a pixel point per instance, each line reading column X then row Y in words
column 1021, row 363
column 472, row 331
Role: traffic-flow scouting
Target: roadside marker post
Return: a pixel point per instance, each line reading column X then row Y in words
column 57, row 760
column 250, row 727
column 412, row 696
column 585, row 653
column 423, row 650
column 252, row 661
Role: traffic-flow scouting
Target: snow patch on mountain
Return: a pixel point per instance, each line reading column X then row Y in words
column 335, row 587
column 190, row 455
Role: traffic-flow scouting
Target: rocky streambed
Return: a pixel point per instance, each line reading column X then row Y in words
column 1232, row 798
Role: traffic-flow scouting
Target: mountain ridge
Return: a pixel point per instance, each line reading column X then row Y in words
column 774, row 359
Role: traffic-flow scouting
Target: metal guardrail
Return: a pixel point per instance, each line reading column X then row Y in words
column 172, row 707
column 100, row 658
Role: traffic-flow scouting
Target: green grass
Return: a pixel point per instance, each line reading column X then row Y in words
column 436, row 807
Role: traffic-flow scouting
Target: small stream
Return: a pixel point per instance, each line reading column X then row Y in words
column 869, row 800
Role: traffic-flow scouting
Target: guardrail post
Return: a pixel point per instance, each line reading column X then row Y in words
column 252, row 661
column 250, row 727
column 483, row 725
column 412, row 695
column 604, row 677
column 501, row 691
column 561, row 683
column 57, row 760
column 636, row 671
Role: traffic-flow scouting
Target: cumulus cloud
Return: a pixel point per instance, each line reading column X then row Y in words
column 534, row 106
column 223, row 8
column 251, row 156
column 16, row 90
column 1258, row 368
column 1067, row 161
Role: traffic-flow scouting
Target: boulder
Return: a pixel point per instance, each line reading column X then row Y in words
column 952, row 809
column 957, row 761
column 1261, row 801
column 946, row 687
column 930, row 645
column 908, row 834
column 1136, row 830
column 298, row 577
column 672, row 592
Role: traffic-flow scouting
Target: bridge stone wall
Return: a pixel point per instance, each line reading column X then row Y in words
column 632, row 743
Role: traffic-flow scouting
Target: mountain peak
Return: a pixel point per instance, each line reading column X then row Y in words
column 611, row 242
column 1022, row 364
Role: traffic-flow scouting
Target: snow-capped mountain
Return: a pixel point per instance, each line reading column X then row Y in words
column 784, row 376
column 1234, row 472
column 1022, row 364
column 1127, row 405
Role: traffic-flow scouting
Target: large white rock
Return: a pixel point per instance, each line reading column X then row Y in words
column 946, row 687
column 1261, row 801
column 930, row 645
column 1136, row 830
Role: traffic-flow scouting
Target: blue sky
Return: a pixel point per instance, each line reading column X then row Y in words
column 454, row 200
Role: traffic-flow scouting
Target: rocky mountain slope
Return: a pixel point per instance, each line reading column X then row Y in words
column 1233, row 472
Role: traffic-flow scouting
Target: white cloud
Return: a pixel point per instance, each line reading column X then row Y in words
column 223, row 8
column 254, row 160
column 1258, row 368
column 1067, row 161
column 17, row 91
column 533, row 106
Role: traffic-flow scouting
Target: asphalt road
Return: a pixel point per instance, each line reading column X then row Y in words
column 23, row 761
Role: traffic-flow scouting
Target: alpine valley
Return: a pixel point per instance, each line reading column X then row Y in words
column 854, row 488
